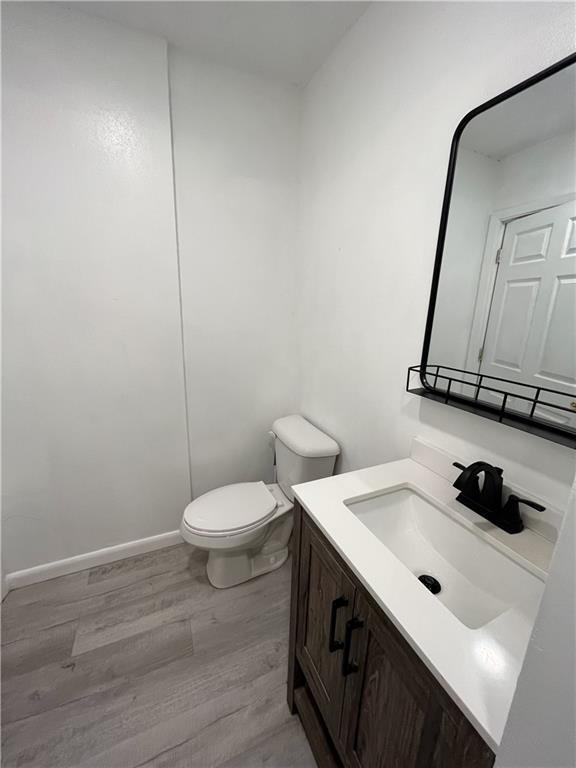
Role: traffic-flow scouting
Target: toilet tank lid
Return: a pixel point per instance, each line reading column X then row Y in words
column 304, row 438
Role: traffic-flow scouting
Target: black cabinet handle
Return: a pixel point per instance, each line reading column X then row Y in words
column 333, row 644
column 347, row 665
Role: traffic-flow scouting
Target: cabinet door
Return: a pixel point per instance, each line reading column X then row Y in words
column 386, row 716
column 458, row 744
column 395, row 715
column 325, row 603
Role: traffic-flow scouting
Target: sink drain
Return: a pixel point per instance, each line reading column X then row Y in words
column 430, row 583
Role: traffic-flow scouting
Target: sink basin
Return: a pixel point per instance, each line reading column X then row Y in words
column 477, row 582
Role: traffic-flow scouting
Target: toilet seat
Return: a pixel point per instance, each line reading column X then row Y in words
column 230, row 510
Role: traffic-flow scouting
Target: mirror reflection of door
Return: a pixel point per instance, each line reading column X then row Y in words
column 531, row 328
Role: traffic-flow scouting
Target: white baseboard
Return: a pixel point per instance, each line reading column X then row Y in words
column 89, row 560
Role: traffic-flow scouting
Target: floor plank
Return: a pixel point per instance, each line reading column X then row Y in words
column 204, row 605
column 143, row 663
column 231, row 732
column 61, row 682
column 283, row 748
column 24, row 619
column 123, row 572
column 44, row 647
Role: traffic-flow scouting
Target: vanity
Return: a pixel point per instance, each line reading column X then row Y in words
column 384, row 669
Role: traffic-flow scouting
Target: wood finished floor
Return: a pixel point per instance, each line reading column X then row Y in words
column 143, row 663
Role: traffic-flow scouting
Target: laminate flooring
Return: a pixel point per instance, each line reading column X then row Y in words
column 143, row 663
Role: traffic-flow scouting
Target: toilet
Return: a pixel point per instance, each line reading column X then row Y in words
column 245, row 527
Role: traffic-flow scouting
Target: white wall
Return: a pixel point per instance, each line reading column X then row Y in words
column 95, row 431
column 235, row 148
column 470, row 208
column 94, row 426
column 540, row 732
column 374, row 158
column 538, row 173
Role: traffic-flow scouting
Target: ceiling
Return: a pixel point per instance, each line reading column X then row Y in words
column 284, row 40
column 539, row 113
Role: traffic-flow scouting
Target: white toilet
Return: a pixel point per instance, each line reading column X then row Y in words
column 246, row 526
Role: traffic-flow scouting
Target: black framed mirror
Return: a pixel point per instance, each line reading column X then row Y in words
column 500, row 337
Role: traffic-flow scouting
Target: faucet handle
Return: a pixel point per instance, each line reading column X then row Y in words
column 510, row 518
column 514, row 500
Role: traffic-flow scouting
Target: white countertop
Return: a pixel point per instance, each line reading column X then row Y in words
column 477, row 667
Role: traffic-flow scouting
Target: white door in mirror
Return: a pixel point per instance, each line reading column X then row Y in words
column 536, row 281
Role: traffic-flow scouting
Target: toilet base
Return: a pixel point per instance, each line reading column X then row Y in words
column 229, row 567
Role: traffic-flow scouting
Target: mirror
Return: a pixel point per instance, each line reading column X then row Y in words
column 501, row 332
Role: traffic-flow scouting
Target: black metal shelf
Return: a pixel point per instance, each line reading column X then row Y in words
column 440, row 382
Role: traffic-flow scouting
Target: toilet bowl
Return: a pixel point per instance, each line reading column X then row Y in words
column 246, row 527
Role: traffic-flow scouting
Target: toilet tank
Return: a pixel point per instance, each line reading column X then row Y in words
column 303, row 452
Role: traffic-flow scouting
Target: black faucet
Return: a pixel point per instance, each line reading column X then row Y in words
column 486, row 499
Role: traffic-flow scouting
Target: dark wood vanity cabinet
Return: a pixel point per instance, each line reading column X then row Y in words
column 326, row 596
column 364, row 697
